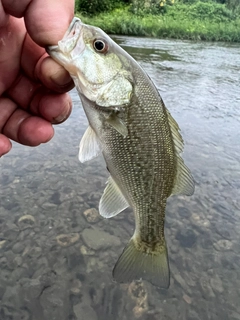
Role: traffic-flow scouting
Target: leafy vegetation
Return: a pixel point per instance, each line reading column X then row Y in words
column 213, row 20
column 93, row 7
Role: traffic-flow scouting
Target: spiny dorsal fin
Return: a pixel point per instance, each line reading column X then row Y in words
column 89, row 147
column 184, row 183
column 112, row 201
column 134, row 264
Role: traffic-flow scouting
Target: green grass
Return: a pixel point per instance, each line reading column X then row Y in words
column 180, row 22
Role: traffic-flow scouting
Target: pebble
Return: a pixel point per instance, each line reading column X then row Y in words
column 184, row 212
column 193, row 315
column 18, row 261
column 26, row 221
column 76, row 287
column 31, row 288
column 138, row 293
column 86, row 251
column 19, row 273
column 187, row 299
column 54, row 300
column 93, row 264
column 18, row 247
column 2, row 243
column 199, row 221
column 97, row 239
column 216, row 284
column 187, row 238
column 137, row 290
column 179, row 279
column 33, row 252
column 206, row 288
column 83, row 312
column 226, row 231
column 11, row 234
column 174, row 248
column 9, row 293
column 91, row 215
column 66, row 240
column 3, row 263
column 223, row 245
column 234, row 315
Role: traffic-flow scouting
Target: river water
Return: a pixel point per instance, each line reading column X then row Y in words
column 57, row 254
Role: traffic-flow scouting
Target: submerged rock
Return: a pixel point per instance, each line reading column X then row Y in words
column 18, row 247
column 138, row 293
column 186, row 238
column 187, row 299
column 182, row 283
column 26, row 221
column 76, row 287
column 83, row 312
column 86, row 251
column 54, row 301
column 66, row 240
column 184, row 212
column 226, row 231
column 91, row 215
column 2, row 243
column 216, row 284
column 200, row 221
column 206, row 289
column 223, row 245
column 96, row 239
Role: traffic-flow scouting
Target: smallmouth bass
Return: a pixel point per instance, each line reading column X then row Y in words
column 139, row 139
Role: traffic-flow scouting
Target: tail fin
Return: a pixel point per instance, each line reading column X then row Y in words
column 134, row 264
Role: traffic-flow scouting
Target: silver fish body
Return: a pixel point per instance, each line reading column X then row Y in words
column 139, row 139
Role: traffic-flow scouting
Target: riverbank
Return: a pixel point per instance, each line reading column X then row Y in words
column 199, row 21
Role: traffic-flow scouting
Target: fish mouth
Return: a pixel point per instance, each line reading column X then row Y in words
column 73, row 24
column 69, row 40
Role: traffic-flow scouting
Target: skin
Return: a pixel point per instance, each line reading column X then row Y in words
column 32, row 86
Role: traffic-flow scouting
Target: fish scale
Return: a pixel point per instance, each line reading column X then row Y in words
column 139, row 139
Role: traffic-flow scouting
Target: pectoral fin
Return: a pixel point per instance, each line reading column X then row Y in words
column 118, row 124
column 89, row 147
column 112, row 201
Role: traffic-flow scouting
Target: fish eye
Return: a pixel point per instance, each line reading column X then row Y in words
column 100, row 45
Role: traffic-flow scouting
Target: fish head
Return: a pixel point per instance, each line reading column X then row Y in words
column 99, row 67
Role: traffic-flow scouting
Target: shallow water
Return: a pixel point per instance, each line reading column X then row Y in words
column 52, row 263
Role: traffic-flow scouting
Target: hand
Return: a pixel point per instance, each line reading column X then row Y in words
column 32, row 85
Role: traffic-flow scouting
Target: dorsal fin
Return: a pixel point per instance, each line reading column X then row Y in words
column 184, row 183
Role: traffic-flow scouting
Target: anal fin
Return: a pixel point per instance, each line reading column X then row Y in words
column 112, row 201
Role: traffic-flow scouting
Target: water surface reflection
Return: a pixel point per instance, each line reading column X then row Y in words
column 53, row 265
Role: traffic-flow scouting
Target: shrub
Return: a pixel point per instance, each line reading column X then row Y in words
column 176, row 23
column 92, row 7
column 210, row 10
column 143, row 7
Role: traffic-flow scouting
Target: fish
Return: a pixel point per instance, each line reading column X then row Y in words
column 138, row 138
